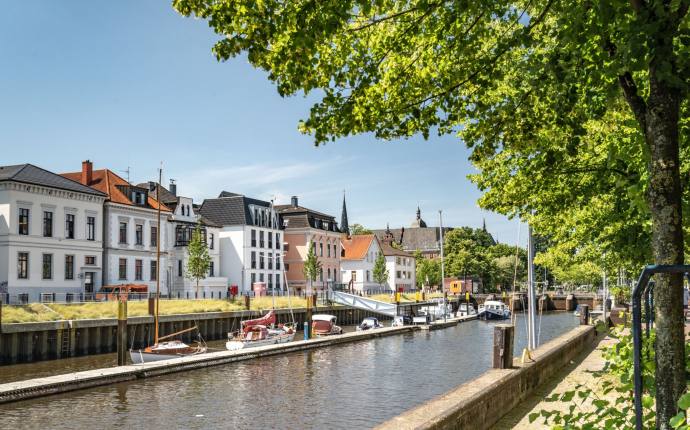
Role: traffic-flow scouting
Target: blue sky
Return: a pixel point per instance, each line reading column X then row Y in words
column 130, row 83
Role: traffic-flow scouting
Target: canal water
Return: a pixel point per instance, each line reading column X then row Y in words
column 356, row 385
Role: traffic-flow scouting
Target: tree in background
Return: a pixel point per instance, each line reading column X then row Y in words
column 380, row 270
column 198, row 261
column 535, row 88
column 359, row 229
column 312, row 267
column 428, row 270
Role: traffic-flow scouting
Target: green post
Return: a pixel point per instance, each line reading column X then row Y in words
column 308, row 321
column 121, row 332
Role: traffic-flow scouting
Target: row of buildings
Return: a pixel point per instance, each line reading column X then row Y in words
column 66, row 234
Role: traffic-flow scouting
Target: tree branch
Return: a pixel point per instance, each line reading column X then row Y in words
column 636, row 102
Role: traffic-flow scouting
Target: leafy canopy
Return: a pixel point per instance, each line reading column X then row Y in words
column 199, row 259
column 380, row 271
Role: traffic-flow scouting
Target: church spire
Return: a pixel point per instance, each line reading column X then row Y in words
column 344, row 227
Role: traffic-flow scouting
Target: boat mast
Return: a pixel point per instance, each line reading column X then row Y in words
column 273, row 288
column 158, row 252
column 443, row 274
column 531, row 299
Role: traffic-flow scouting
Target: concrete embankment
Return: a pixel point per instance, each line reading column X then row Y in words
column 480, row 403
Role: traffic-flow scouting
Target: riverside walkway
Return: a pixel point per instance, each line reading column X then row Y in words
column 577, row 373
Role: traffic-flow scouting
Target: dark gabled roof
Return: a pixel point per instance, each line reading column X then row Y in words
column 412, row 239
column 390, row 251
column 30, row 174
column 301, row 217
column 166, row 196
column 228, row 194
column 230, row 210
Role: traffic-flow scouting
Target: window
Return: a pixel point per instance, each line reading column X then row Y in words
column 253, row 259
column 278, row 285
column 123, row 232
column 397, row 274
column 23, row 265
column 47, row 224
column 90, row 260
column 256, row 217
column 123, row 269
column 321, row 249
column 139, row 234
column 179, row 267
column 47, row 266
column 353, row 274
column 210, row 241
column 69, row 226
column 321, row 275
column 335, row 250
column 277, row 262
column 368, row 276
column 91, row 228
column 261, row 277
column 253, row 279
column 270, row 239
column 261, row 239
column 329, row 274
column 261, row 260
column 138, row 270
column 277, row 240
column 287, row 267
column 270, row 281
column 254, row 238
column 211, row 271
column 328, row 249
column 270, row 261
column 69, row 266
column 154, row 236
column 23, row 221
column 154, row 270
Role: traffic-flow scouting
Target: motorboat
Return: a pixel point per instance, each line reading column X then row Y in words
column 465, row 309
column 438, row 308
column 168, row 350
column 324, row 325
column 369, row 323
column 493, row 310
column 401, row 320
column 260, row 332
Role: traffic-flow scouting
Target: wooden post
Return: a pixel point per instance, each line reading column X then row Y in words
column 152, row 306
column 584, row 314
column 570, row 303
column 503, row 346
column 0, row 314
column 121, row 332
column 307, row 323
column 247, row 302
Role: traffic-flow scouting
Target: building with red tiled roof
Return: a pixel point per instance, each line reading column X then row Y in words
column 131, row 232
column 357, row 264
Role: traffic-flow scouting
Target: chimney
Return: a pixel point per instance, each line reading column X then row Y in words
column 86, row 172
column 295, row 202
column 173, row 187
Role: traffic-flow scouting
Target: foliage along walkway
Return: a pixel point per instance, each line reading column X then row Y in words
column 578, row 373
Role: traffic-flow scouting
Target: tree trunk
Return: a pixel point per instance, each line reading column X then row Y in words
column 664, row 196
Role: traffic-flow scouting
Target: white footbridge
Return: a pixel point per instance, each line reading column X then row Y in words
column 363, row 303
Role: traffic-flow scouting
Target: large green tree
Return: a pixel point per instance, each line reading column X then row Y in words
column 527, row 84
column 312, row 267
column 380, row 271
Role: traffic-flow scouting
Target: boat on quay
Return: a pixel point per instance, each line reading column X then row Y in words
column 324, row 325
column 369, row 323
column 493, row 310
column 260, row 332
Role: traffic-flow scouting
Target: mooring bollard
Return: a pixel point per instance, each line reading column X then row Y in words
column 503, row 346
column 306, row 330
column 570, row 303
column 152, row 306
column 121, row 332
column 584, row 314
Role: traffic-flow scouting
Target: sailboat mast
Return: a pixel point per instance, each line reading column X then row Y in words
column 158, row 252
column 531, row 299
column 443, row 274
column 273, row 288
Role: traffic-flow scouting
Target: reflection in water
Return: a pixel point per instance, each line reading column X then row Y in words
column 348, row 386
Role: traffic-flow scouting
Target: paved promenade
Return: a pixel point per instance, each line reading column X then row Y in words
column 578, row 372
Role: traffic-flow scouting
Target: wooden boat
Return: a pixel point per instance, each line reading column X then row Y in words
column 324, row 325
column 172, row 348
column 257, row 332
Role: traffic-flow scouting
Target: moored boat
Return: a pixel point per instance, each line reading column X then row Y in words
column 165, row 351
column 369, row 323
column 465, row 309
column 324, row 325
column 258, row 332
column 493, row 310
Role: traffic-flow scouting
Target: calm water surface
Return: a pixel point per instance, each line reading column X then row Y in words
column 356, row 385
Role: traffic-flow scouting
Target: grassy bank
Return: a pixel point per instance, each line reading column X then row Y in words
column 38, row 312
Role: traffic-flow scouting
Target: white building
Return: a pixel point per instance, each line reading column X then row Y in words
column 250, row 241
column 181, row 224
column 357, row 264
column 401, row 265
column 51, row 240
column 131, row 230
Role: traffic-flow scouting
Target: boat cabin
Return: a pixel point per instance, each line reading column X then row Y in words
column 323, row 323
